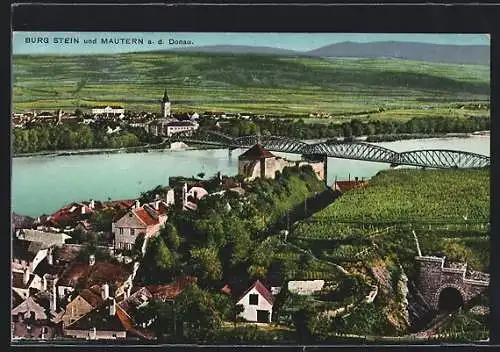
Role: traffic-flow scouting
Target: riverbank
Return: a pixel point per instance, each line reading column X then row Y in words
column 162, row 146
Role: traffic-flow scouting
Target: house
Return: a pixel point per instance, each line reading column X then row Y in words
column 86, row 301
column 108, row 110
column 168, row 292
column 110, row 130
column 169, row 127
column 21, row 222
column 257, row 302
column 106, row 322
column 146, row 219
column 259, row 162
column 33, row 318
column 25, row 283
column 86, row 274
column 48, row 239
column 68, row 217
column 27, row 254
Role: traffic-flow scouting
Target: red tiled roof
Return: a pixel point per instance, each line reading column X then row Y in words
column 145, row 217
column 99, row 273
column 264, row 292
column 256, row 152
column 92, row 296
column 172, row 290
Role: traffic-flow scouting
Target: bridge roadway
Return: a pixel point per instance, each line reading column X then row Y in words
column 430, row 158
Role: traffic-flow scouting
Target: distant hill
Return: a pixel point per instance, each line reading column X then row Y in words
column 458, row 54
column 240, row 49
column 462, row 54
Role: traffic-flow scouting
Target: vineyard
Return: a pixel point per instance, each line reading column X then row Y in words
column 416, row 195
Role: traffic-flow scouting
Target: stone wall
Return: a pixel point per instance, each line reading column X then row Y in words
column 434, row 277
column 251, row 169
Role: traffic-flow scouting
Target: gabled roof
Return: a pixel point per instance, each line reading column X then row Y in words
column 17, row 280
column 28, row 306
column 92, row 296
column 262, row 290
column 256, row 152
column 99, row 273
column 100, row 319
column 172, row 290
column 135, row 300
column 48, row 239
column 25, row 250
column 145, row 217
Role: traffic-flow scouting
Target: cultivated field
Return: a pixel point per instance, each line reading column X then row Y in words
column 265, row 84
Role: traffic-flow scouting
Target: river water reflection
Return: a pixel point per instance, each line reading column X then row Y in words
column 43, row 184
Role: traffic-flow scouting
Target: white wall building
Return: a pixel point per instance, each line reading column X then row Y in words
column 257, row 303
column 108, row 110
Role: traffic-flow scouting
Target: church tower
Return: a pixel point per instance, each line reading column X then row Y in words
column 165, row 105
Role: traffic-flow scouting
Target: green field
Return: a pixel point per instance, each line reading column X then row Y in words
column 448, row 209
column 250, row 83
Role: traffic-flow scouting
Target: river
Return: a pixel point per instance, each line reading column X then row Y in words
column 43, row 184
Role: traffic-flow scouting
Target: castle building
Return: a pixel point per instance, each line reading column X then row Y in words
column 165, row 105
column 259, row 162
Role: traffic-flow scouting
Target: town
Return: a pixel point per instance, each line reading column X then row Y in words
column 206, row 258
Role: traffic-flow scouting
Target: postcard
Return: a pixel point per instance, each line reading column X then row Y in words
column 250, row 188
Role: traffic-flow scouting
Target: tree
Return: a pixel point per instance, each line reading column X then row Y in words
column 171, row 236
column 159, row 314
column 201, row 175
column 206, row 263
column 163, row 257
column 197, row 311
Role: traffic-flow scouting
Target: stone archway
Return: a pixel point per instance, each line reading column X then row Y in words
column 449, row 298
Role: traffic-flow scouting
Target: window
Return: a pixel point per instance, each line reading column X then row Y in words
column 254, row 299
column 121, row 231
column 132, row 232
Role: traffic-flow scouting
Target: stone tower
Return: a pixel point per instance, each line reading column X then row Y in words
column 165, row 105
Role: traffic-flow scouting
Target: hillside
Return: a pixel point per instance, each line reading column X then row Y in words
column 448, row 209
column 245, row 83
column 458, row 54
column 455, row 54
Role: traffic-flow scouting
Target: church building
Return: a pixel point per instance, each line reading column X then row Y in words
column 165, row 105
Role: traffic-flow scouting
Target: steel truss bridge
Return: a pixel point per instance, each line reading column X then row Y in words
column 429, row 158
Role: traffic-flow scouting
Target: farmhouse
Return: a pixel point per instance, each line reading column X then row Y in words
column 257, row 302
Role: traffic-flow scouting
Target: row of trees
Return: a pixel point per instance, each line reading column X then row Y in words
column 355, row 127
column 74, row 136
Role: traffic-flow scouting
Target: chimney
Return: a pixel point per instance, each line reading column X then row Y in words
column 91, row 259
column 26, row 276
column 105, row 291
column 157, row 205
column 137, row 204
column 50, row 258
column 54, row 296
column 83, row 209
column 92, row 204
column 157, row 196
column 45, row 282
column 112, row 307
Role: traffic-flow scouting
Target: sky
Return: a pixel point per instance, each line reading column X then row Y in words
column 52, row 42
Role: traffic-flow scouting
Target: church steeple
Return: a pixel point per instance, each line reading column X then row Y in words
column 165, row 105
column 165, row 97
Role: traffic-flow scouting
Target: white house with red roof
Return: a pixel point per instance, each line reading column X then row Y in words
column 257, row 302
column 146, row 219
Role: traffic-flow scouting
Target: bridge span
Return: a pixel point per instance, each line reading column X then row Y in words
column 429, row 158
